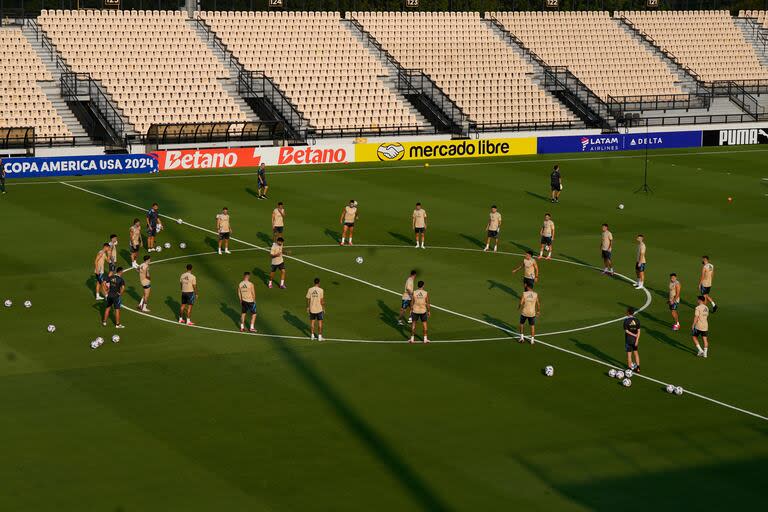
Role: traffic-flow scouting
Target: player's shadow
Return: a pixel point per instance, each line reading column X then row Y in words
column 254, row 193
column 212, row 242
column 90, row 283
column 401, row 237
column 577, row 260
column 503, row 287
column 173, row 305
column 260, row 275
column 501, row 325
column 389, row 316
column 126, row 254
column 668, row 340
column 264, row 238
column 665, row 295
column 523, row 248
column 132, row 293
column 538, row 196
column 297, row 322
column 472, row 240
column 230, row 312
column 333, row 235
column 596, row 352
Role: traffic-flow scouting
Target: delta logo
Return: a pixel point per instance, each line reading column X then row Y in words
column 600, row 143
column 390, row 152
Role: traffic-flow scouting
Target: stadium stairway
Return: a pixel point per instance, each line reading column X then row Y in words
column 752, row 38
column 230, row 83
column 52, row 89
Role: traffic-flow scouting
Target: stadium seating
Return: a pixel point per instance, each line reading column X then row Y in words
column 595, row 48
column 708, row 42
column 22, row 102
column 325, row 71
column 151, row 62
column 760, row 16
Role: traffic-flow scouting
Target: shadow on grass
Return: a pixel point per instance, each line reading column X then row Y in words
column 212, row 242
column 538, row 196
column 523, row 248
column 472, row 240
column 665, row 295
column 260, row 274
column 401, row 237
column 504, row 327
column 250, row 191
column 333, row 235
column 389, row 316
column 90, row 283
column 264, row 238
column 126, row 254
column 577, row 260
column 596, row 352
column 132, row 293
column 297, row 322
column 233, row 314
column 503, row 287
column 173, row 305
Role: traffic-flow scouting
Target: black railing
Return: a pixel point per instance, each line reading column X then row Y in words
column 621, row 104
column 758, row 31
column 526, row 126
column 690, row 120
column 49, row 46
column 17, row 138
column 200, row 133
column 371, row 131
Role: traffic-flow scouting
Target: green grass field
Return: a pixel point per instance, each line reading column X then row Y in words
column 181, row 418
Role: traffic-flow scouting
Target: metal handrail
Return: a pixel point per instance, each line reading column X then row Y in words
column 643, row 103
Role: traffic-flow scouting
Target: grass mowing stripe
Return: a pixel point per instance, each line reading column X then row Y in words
column 602, row 363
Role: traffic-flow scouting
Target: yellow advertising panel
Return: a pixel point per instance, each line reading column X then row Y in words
column 434, row 149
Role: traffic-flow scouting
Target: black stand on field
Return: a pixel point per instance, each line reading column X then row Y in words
column 645, row 188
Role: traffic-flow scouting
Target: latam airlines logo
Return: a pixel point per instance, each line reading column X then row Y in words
column 600, row 143
column 390, row 152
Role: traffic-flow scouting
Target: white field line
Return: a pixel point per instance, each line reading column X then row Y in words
column 215, row 174
column 478, row 320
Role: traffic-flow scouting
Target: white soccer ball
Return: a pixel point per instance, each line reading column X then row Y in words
column 27, row 303
column 94, row 345
column 99, row 340
column 628, row 374
column 621, row 206
column 612, row 373
column 670, row 388
column 182, row 245
column 159, row 226
column 51, row 328
column 359, row 260
column 626, row 383
column 678, row 390
column 620, row 375
column 167, row 245
column 115, row 339
column 158, row 249
column 8, row 303
column 179, row 221
column 549, row 370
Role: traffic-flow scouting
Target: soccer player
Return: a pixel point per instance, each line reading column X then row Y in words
column 134, row 241
column 246, row 293
column 278, row 220
column 606, row 249
column 114, row 297
column 223, row 229
column 98, row 269
column 547, row 233
column 701, row 326
column 529, row 309
column 555, row 183
column 316, row 309
column 640, row 263
column 261, row 178
column 276, row 253
column 420, row 310
column 632, row 339
column 407, row 297
column 189, row 295
column 705, row 282
column 146, row 284
column 153, row 220
column 674, row 299
column 530, row 270
column 2, row 176
column 348, row 218
column 112, row 252
column 419, row 222
column 493, row 228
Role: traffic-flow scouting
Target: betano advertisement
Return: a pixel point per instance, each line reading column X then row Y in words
column 618, row 142
column 233, row 158
column 428, row 150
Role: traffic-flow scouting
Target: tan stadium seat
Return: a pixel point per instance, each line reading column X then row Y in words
column 22, row 102
column 708, row 42
column 595, row 48
column 324, row 70
column 486, row 78
column 151, row 63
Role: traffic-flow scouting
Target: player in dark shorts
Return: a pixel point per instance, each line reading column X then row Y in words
column 632, row 339
column 114, row 297
column 555, row 183
column 152, row 221
column 2, row 176
column 261, row 178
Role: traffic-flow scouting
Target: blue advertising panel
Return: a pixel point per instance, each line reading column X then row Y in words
column 618, row 142
column 78, row 165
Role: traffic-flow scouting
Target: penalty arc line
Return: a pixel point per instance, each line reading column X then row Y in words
column 555, row 347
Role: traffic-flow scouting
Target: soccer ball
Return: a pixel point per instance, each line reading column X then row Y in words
column 182, row 245
column 8, row 303
column 27, row 303
column 97, row 342
column 51, row 328
column 628, row 374
column 620, row 375
column 158, row 249
column 549, row 371
column 359, row 260
column 626, row 383
column 612, row 373
column 670, row 388
column 115, row 339
column 159, row 226
column 167, row 245
column 678, row 390
column 621, row 206
column 179, row 221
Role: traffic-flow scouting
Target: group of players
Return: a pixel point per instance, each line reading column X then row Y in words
column 415, row 306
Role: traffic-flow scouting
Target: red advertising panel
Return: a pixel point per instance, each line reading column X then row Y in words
column 223, row 158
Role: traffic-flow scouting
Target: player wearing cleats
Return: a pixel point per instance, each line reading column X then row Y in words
column 189, row 294
column 261, row 178
column 278, row 220
column 134, row 242
column 530, row 270
column 98, row 269
column 277, row 261
column 640, row 262
column 224, row 229
column 674, row 300
column 547, row 233
column 606, row 249
column 407, row 298
column 246, row 293
column 347, row 220
column 493, row 227
column 419, row 223
column 420, row 311
column 705, row 281
column 114, row 297
column 701, row 326
column 555, row 184
column 316, row 309
column 112, row 252
column 530, row 308
column 632, row 339
column 146, row 284
column 153, row 220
